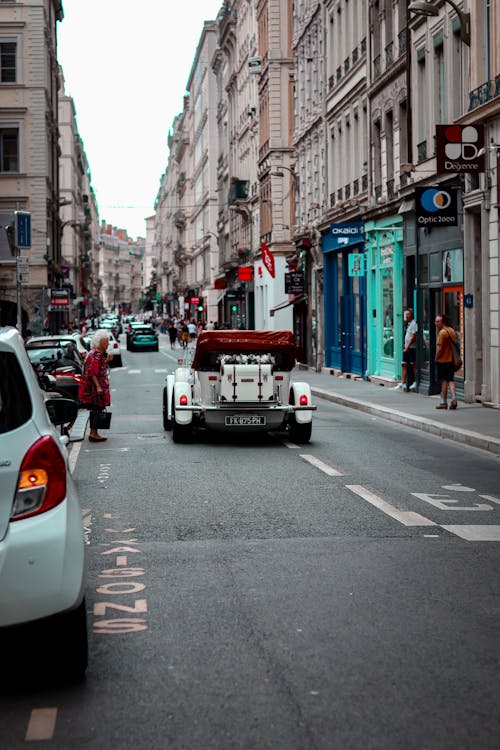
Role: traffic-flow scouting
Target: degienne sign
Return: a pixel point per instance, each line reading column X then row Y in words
column 460, row 149
column 436, row 207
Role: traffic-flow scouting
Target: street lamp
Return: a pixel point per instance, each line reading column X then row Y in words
column 423, row 8
column 295, row 176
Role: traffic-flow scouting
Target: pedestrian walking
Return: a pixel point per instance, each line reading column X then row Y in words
column 444, row 361
column 409, row 363
column 184, row 335
column 94, row 392
column 172, row 334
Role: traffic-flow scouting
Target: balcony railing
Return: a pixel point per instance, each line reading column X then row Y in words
column 331, row 82
column 332, row 200
column 347, row 64
column 390, row 189
column 355, row 187
column 355, row 55
column 339, row 74
column 339, row 194
column 347, row 192
column 364, row 182
column 377, row 66
column 421, row 151
column 378, row 192
column 481, row 95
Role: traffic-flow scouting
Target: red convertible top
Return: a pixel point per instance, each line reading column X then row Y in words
column 225, row 341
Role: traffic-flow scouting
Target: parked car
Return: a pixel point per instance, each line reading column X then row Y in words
column 239, row 381
column 142, row 337
column 113, row 348
column 113, row 325
column 57, row 356
column 42, row 552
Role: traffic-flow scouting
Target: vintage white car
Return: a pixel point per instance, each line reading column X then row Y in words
column 239, row 381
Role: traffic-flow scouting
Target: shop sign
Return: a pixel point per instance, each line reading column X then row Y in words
column 294, row 282
column 59, row 298
column 356, row 265
column 387, row 254
column 436, row 207
column 245, row 273
column 268, row 259
column 195, row 300
column 347, row 234
column 460, row 148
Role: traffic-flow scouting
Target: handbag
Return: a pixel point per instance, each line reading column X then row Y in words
column 102, row 420
column 457, row 359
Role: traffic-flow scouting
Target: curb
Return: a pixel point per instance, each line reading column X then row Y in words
column 466, row 437
column 77, row 432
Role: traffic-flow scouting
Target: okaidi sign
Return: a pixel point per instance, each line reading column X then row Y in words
column 347, row 233
column 268, row 259
column 460, row 148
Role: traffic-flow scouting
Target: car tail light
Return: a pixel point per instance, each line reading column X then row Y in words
column 212, row 377
column 115, row 345
column 183, row 400
column 279, row 377
column 303, row 400
column 42, row 480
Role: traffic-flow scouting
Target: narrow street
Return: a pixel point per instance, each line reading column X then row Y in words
column 259, row 594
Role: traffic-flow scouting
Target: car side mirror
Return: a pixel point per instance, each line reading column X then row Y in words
column 61, row 410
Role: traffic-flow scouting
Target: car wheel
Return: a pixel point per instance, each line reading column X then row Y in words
column 156, row 348
column 181, row 433
column 300, row 433
column 167, row 421
column 72, row 642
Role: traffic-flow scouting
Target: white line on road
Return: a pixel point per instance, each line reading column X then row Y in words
column 160, row 370
column 321, row 465
column 73, row 456
column 290, row 445
column 41, row 725
column 476, row 533
column 406, row 517
column 134, row 372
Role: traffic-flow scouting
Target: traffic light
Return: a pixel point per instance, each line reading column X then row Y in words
column 234, row 308
column 200, row 308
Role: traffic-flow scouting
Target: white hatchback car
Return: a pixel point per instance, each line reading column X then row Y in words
column 42, row 552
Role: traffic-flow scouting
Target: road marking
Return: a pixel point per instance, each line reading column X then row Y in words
column 73, row 456
column 41, row 725
column 321, row 465
column 476, row 533
column 491, row 498
column 160, row 370
column 406, row 517
column 290, row 445
column 134, row 372
column 445, row 502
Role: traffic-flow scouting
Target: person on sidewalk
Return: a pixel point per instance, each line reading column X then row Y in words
column 409, row 352
column 444, row 361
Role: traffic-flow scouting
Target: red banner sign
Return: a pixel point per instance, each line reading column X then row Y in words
column 245, row 273
column 268, row 259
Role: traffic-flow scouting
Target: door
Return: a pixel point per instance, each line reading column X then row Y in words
column 346, row 334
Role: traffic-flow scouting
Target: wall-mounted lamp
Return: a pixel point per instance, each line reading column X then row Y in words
column 423, row 8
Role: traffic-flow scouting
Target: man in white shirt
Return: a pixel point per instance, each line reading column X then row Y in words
column 409, row 351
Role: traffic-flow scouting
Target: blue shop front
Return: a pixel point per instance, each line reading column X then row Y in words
column 344, row 264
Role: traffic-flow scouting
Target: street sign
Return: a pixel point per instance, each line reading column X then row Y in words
column 23, row 268
column 294, row 282
column 22, row 228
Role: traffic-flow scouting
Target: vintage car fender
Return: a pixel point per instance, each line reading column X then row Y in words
column 296, row 391
column 182, row 375
column 182, row 390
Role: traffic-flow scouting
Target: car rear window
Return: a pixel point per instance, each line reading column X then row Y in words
column 15, row 402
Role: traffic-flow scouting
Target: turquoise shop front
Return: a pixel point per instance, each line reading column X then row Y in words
column 385, row 314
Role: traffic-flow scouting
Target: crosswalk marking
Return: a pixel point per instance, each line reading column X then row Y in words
column 134, row 372
column 325, row 468
column 160, row 370
column 483, row 533
column 406, row 517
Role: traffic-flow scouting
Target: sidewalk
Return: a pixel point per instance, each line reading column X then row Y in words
column 471, row 424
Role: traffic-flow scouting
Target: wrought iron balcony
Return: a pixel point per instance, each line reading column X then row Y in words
column 355, row 187
column 390, row 189
column 332, row 200
column 347, row 192
column 480, row 95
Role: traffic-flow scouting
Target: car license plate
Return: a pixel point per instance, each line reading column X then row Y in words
column 245, row 421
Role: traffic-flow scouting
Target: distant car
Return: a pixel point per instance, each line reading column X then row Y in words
column 111, row 324
column 113, row 348
column 57, row 356
column 143, row 337
column 131, row 325
column 42, row 551
column 239, row 381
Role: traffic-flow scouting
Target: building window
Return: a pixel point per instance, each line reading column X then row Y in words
column 439, row 81
column 9, row 159
column 7, row 61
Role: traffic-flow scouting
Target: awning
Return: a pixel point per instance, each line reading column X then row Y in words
column 407, row 205
column 287, row 302
column 220, row 295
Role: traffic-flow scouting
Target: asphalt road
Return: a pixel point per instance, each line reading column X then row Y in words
column 257, row 594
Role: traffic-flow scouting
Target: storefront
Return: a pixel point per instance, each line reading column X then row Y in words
column 345, row 297
column 436, row 252
column 384, row 244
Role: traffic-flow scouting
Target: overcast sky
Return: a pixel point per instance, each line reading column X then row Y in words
column 126, row 66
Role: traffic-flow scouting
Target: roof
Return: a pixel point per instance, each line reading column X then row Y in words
column 244, row 341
